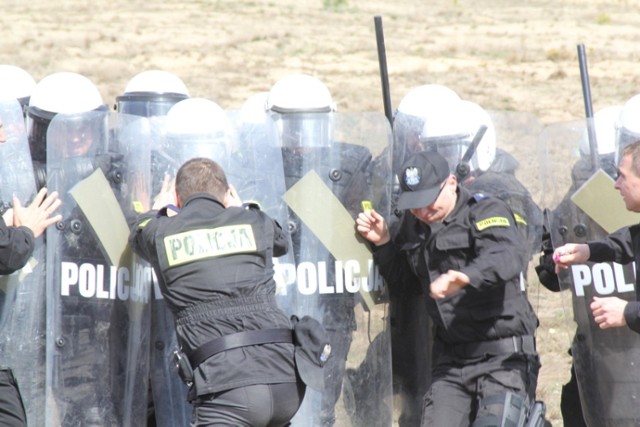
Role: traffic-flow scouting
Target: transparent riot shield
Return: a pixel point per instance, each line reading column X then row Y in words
column 335, row 280
column 512, row 176
column 578, row 187
column 257, row 173
column 168, row 391
column 97, row 292
column 22, row 296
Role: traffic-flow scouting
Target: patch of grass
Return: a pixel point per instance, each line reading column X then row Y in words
column 335, row 4
column 603, row 19
column 556, row 55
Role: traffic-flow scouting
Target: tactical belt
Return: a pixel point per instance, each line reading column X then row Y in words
column 523, row 344
column 239, row 339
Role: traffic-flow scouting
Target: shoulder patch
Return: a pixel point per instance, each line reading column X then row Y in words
column 494, row 221
column 519, row 219
column 137, row 206
column 478, row 197
column 144, row 223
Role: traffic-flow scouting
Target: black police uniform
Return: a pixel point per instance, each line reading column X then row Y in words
column 484, row 333
column 16, row 246
column 570, row 224
column 623, row 247
column 221, row 285
column 500, row 181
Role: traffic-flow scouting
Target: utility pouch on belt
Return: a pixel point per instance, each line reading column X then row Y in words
column 184, row 367
column 312, row 350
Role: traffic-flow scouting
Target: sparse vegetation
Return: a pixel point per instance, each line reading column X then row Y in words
column 603, row 19
column 334, row 4
column 557, row 55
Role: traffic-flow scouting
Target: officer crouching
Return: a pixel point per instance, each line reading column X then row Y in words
column 463, row 252
column 246, row 363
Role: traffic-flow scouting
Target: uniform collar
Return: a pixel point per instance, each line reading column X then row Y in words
column 194, row 198
column 462, row 199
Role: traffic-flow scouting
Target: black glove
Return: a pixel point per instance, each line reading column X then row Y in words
column 546, row 269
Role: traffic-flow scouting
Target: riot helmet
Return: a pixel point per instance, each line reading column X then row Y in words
column 255, row 126
column 198, row 127
column 151, row 93
column 16, row 83
column 628, row 129
column 303, row 109
column 451, row 131
column 253, row 109
column 11, row 121
column 70, row 94
column 605, row 124
column 409, row 117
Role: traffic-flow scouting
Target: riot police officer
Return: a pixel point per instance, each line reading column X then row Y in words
column 151, row 94
column 411, row 339
column 22, row 301
column 434, row 118
column 603, row 375
column 320, row 169
column 465, row 251
column 97, row 330
column 223, row 298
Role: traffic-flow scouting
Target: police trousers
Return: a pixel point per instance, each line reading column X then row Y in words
column 459, row 385
column 261, row 405
column 12, row 411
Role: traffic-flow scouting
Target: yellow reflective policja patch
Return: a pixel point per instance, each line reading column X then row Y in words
column 519, row 219
column 496, row 221
column 137, row 206
column 194, row 245
column 144, row 223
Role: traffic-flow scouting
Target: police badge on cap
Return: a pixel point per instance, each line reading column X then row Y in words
column 422, row 177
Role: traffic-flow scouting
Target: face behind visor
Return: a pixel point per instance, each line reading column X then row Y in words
column 59, row 93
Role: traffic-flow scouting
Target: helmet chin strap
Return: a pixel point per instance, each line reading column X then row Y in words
column 463, row 168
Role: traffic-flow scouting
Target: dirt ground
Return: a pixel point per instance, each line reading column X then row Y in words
column 518, row 56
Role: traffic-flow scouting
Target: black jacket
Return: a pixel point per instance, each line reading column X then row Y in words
column 479, row 238
column 16, row 246
column 215, row 270
column 623, row 247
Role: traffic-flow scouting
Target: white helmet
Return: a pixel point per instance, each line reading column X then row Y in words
column 605, row 123
column 254, row 124
column 303, row 109
column 16, row 83
column 253, row 109
column 300, row 93
column 450, row 130
column 151, row 93
column 58, row 93
column 629, row 123
column 423, row 98
column 409, row 117
column 198, row 127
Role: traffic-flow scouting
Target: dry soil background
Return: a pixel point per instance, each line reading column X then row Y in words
column 505, row 55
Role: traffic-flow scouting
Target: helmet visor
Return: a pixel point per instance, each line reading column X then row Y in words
column 305, row 129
